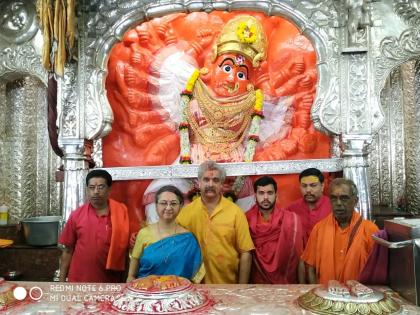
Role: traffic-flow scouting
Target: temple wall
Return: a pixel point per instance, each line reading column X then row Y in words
column 394, row 156
column 27, row 162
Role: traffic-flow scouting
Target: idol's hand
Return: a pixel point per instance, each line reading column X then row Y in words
column 205, row 37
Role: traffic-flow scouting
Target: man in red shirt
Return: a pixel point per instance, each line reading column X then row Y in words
column 277, row 236
column 95, row 237
column 313, row 206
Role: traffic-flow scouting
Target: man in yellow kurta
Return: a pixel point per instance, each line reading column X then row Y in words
column 339, row 245
column 220, row 227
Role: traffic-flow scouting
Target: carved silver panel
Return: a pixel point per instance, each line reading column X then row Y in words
column 408, row 10
column 397, row 134
column 357, row 114
column 27, row 162
column 411, row 84
column 23, row 59
column 387, row 158
column 232, row 169
column 394, row 51
column 67, row 102
column 394, row 159
column 18, row 21
column 97, row 153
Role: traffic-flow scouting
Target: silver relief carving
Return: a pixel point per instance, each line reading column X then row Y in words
column 324, row 110
column 395, row 51
column 324, row 12
column 357, row 19
column 411, row 95
column 98, row 112
column 374, row 170
column 27, row 166
column 358, row 120
column 385, row 150
column 97, row 153
column 397, row 126
column 232, row 169
column 408, row 10
column 68, row 103
column 16, row 60
column 325, row 114
column 392, row 160
column 403, row 47
column 18, row 22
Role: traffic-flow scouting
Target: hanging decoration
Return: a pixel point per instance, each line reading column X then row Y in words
column 57, row 21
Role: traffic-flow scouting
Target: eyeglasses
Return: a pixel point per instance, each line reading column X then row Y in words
column 172, row 204
column 101, row 187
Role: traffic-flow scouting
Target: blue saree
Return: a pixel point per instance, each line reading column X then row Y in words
column 178, row 255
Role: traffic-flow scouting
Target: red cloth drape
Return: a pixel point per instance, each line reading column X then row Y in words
column 278, row 246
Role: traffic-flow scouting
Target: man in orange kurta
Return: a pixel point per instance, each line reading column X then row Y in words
column 340, row 244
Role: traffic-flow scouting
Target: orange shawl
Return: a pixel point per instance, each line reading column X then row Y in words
column 119, row 237
column 319, row 252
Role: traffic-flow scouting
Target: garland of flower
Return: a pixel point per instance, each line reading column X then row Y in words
column 185, row 125
column 254, row 129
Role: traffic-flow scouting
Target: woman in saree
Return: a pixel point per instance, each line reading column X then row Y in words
column 166, row 248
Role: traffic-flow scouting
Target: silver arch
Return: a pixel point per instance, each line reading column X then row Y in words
column 98, row 111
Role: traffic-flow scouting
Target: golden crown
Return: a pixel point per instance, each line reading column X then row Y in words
column 243, row 34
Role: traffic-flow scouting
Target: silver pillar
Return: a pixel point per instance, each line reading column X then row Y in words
column 71, row 140
column 355, row 168
column 75, row 171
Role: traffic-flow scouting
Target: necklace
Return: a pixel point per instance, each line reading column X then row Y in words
column 217, row 112
column 225, row 119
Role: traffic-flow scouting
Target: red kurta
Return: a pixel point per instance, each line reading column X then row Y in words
column 278, row 246
column 327, row 250
column 310, row 217
column 100, row 243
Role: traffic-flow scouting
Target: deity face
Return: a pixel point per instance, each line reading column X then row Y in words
column 15, row 16
column 168, row 206
column 231, row 75
column 98, row 192
column 266, row 197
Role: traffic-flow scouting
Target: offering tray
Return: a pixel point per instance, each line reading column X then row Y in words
column 351, row 298
column 161, row 295
column 7, row 298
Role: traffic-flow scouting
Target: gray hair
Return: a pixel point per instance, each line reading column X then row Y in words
column 345, row 182
column 211, row 166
